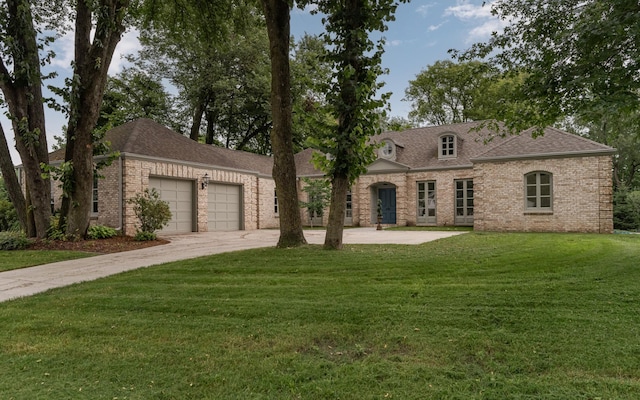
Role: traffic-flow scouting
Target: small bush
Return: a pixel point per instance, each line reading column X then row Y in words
column 626, row 210
column 101, row 232
column 144, row 236
column 13, row 241
column 152, row 212
column 8, row 216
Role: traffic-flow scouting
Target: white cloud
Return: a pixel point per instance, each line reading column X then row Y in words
column 432, row 28
column 394, row 43
column 469, row 11
column 424, row 9
column 486, row 29
column 63, row 47
column 129, row 44
column 479, row 14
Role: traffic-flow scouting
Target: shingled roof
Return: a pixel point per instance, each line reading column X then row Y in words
column 146, row 138
column 417, row 149
column 554, row 143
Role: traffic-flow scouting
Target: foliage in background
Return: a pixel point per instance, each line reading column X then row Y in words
column 13, row 241
column 447, row 92
column 152, row 212
column 578, row 57
column 319, row 194
column 8, row 216
column 132, row 94
column 221, row 72
column 626, row 209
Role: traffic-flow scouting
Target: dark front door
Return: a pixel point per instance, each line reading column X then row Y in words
column 388, row 197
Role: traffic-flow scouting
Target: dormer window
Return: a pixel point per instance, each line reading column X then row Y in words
column 388, row 150
column 447, row 146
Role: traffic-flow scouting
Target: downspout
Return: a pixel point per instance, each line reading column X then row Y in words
column 120, row 195
column 257, row 201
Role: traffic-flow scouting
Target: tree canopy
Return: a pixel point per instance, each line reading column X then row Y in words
column 577, row 57
column 447, row 92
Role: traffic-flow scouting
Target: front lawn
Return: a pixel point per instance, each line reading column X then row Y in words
column 15, row 259
column 475, row 316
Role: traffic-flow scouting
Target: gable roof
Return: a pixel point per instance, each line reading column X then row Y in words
column 146, row 138
column 418, row 147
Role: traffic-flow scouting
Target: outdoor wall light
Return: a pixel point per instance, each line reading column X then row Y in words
column 205, row 181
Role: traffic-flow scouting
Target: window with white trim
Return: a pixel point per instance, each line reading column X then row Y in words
column 538, row 191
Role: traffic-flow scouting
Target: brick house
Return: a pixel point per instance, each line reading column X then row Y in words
column 436, row 176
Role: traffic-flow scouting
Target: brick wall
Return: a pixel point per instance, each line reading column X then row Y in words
column 267, row 217
column 406, row 195
column 582, row 195
column 136, row 173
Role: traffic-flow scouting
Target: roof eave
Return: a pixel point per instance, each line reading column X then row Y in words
column 135, row 156
column 588, row 153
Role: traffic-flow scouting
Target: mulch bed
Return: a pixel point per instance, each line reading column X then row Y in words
column 100, row 246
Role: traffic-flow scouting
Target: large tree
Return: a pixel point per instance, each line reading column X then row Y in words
column 577, row 56
column 277, row 17
column 99, row 25
column 21, row 84
column 353, row 96
column 447, row 92
column 133, row 94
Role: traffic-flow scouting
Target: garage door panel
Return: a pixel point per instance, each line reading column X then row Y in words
column 179, row 195
column 224, row 207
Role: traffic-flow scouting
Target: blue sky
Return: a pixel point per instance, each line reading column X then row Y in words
column 423, row 32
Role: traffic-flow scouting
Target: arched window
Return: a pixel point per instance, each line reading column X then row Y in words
column 538, row 191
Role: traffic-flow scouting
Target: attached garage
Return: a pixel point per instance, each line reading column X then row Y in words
column 224, row 211
column 179, row 194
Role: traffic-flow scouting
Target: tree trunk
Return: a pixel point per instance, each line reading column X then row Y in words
column 23, row 94
column 284, row 168
column 92, row 62
column 198, row 112
column 335, row 225
column 11, row 183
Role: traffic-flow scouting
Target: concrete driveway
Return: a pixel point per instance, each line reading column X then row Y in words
column 29, row 281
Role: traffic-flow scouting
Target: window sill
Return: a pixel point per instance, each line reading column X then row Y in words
column 538, row 212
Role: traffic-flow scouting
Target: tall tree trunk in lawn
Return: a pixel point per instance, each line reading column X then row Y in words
column 335, row 224
column 12, row 184
column 92, row 60
column 284, row 168
column 22, row 92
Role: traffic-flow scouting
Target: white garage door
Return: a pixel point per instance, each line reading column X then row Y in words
column 179, row 195
column 224, row 207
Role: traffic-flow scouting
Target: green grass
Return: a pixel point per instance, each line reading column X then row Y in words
column 476, row 316
column 15, row 259
column 430, row 228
